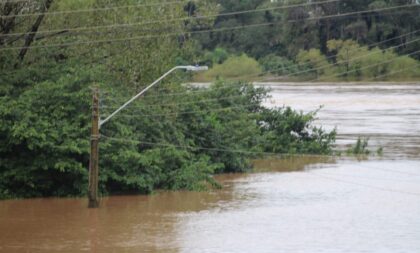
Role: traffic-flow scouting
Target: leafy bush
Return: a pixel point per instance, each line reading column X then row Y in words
column 274, row 64
column 218, row 56
column 241, row 66
column 314, row 62
column 288, row 131
column 159, row 142
column 356, row 62
column 360, row 148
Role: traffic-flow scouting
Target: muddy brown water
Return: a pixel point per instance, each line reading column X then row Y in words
column 299, row 204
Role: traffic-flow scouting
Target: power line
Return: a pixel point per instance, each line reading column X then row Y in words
column 160, row 20
column 213, row 149
column 336, row 63
column 231, row 97
column 166, row 145
column 394, row 72
column 332, row 56
column 93, row 9
column 227, row 98
column 167, row 3
column 246, row 76
column 366, row 67
column 362, row 185
column 17, row 1
column 228, row 108
column 389, row 170
column 373, row 178
column 182, row 103
column 166, row 20
column 235, row 107
column 208, row 100
column 355, row 70
column 201, row 31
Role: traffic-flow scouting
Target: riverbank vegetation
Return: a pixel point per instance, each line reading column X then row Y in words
column 175, row 137
column 346, row 61
column 161, row 142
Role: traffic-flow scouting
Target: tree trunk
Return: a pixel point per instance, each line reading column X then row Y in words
column 31, row 34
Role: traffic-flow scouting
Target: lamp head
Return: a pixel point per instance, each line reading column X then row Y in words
column 196, row 68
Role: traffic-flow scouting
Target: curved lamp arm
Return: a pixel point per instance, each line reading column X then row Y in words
column 189, row 68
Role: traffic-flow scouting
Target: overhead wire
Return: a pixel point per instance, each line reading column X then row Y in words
column 242, row 152
column 213, row 149
column 351, row 71
column 362, row 185
column 236, row 107
column 88, row 28
column 389, row 170
column 203, row 31
column 183, row 103
column 416, row 66
column 99, row 9
column 329, row 57
column 329, row 65
column 247, row 76
column 273, row 70
column 166, row 20
column 231, row 98
column 271, row 154
column 369, row 178
column 373, row 78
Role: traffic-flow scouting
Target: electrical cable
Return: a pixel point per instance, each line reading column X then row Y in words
column 214, row 149
column 335, row 63
column 201, row 31
column 389, row 170
column 160, row 20
column 355, row 70
column 260, row 153
column 233, row 107
column 362, row 185
column 93, row 9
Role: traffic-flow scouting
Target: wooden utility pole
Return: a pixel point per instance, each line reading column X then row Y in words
column 94, row 152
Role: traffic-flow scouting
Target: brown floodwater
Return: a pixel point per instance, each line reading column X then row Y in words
column 299, row 204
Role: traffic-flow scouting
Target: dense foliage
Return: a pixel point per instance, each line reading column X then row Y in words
column 175, row 137
column 291, row 38
column 165, row 140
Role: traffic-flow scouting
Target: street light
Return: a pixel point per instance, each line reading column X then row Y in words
column 188, row 68
column 97, row 123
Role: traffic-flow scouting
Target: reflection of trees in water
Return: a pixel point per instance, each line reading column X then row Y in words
column 295, row 163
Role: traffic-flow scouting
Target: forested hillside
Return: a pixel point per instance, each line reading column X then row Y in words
column 316, row 40
column 52, row 52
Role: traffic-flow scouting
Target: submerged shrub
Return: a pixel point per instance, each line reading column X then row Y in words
column 159, row 142
column 360, row 148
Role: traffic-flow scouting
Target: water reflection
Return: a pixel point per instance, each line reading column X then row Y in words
column 289, row 164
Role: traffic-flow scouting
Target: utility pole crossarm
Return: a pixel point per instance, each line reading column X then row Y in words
column 189, row 68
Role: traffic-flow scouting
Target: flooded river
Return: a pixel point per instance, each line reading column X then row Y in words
column 301, row 204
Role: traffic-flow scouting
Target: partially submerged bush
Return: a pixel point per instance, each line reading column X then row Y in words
column 160, row 142
column 360, row 148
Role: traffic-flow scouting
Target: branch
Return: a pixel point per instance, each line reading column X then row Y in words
column 51, row 35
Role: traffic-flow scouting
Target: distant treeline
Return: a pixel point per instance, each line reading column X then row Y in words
column 311, row 40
